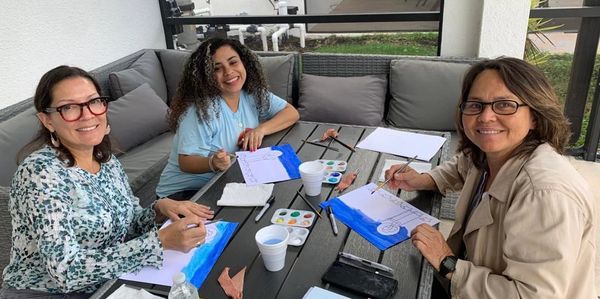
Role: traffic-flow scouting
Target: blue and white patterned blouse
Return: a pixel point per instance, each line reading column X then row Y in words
column 73, row 230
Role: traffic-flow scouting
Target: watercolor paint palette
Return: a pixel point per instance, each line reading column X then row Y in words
column 334, row 165
column 291, row 217
column 332, row 177
column 298, row 235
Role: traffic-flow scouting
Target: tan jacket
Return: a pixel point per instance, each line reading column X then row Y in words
column 531, row 236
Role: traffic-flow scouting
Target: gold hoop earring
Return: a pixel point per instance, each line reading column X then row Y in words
column 54, row 140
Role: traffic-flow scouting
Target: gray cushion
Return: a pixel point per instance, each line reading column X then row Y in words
column 146, row 69
column 137, row 117
column 347, row 100
column 279, row 72
column 424, row 94
column 144, row 164
column 5, row 229
column 173, row 63
column 14, row 134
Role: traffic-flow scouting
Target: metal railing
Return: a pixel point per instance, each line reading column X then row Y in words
column 581, row 71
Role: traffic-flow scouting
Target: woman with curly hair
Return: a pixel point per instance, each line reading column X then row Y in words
column 222, row 104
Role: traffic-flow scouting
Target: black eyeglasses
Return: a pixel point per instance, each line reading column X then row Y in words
column 72, row 112
column 502, row 107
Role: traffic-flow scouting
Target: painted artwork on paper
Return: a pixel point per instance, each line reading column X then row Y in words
column 195, row 264
column 381, row 218
column 269, row 164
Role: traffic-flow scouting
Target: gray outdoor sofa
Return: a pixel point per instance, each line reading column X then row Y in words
column 401, row 91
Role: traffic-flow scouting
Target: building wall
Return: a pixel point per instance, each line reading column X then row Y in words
column 461, row 29
column 488, row 28
column 36, row 36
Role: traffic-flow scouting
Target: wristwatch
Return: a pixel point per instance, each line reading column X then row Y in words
column 448, row 265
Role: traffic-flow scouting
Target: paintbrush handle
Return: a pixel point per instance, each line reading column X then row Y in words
column 343, row 144
column 400, row 170
column 214, row 152
column 309, row 204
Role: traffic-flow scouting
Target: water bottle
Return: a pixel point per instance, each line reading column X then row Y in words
column 182, row 289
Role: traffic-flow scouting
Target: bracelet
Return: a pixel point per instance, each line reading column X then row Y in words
column 210, row 164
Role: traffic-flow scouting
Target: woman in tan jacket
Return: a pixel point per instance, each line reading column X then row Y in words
column 524, row 220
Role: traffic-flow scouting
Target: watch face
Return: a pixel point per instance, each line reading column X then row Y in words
column 450, row 263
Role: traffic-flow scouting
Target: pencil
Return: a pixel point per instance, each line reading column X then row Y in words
column 397, row 171
column 309, row 204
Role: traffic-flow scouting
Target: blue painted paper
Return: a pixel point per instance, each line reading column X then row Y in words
column 364, row 226
column 206, row 255
column 289, row 160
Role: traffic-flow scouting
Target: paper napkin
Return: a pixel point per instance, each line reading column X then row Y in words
column 242, row 195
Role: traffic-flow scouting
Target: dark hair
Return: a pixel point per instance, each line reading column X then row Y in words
column 43, row 99
column 530, row 85
column 198, row 86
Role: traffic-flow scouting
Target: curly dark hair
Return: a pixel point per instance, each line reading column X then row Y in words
column 198, row 86
column 43, row 99
column 530, row 85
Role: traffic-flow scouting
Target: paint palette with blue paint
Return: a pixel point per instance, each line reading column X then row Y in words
column 334, row 165
column 332, row 177
column 333, row 170
column 291, row 217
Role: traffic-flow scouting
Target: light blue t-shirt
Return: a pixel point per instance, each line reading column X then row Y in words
column 219, row 132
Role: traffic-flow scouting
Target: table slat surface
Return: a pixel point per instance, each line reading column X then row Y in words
column 305, row 265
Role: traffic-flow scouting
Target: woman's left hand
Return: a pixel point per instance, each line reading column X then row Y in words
column 173, row 209
column 431, row 243
column 252, row 139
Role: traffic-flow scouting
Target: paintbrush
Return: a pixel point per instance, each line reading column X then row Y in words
column 214, row 152
column 321, row 145
column 317, row 140
column 309, row 204
column 342, row 143
column 397, row 171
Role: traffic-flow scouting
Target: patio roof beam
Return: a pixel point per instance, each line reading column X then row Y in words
column 337, row 18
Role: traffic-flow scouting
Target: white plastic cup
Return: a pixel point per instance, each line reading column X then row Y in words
column 311, row 173
column 272, row 243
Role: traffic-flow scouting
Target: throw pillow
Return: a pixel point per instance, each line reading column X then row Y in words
column 173, row 62
column 346, row 100
column 14, row 134
column 279, row 72
column 137, row 117
column 424, row 94
column 145, row 69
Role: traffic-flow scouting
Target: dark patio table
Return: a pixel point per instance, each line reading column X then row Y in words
column 305, row 265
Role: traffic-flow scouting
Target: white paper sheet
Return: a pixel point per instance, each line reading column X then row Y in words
column 125, row 291
column 384, row 207
column 319, row 293
column 418, row 166
column 262, row 166
column 402, row 143
column 174, row 261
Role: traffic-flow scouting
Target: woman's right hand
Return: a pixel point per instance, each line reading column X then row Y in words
column 221, row 160
column 183, row 234
column 407, row 180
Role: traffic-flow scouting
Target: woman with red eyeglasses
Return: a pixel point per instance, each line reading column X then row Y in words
column 76, row 222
